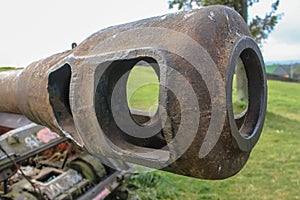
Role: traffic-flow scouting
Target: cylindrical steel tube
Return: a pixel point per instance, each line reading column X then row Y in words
column 193, row 53
column 8, row 89
column 82, row 93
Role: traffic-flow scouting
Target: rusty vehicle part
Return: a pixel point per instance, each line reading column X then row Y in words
column 22, row 143
column 81, row 93
column 55, row 167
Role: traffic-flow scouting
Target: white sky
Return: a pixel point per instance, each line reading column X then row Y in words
column 34, row 29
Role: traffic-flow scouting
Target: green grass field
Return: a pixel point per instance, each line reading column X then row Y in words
column 273, row 170
column 142, row 89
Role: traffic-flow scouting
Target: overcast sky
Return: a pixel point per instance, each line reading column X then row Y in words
column 34, row 29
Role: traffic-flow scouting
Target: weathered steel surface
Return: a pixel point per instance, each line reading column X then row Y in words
column 81, row 93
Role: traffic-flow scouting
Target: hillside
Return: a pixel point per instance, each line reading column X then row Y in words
column 8, row 68
column 291, row 70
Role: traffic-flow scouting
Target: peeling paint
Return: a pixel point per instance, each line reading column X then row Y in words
column 163, row 17
column 188, row 15
column 211, row 16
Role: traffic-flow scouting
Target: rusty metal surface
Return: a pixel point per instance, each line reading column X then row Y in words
column 81, row 93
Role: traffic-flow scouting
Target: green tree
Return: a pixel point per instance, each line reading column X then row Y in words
column 260, row 28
